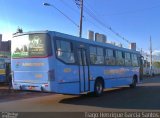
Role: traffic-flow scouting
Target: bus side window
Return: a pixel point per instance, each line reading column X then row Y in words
column 109, row 58
column 96, row 55
column 134, row 60
column 64, row 51
column 119, row 58
column 93, row 56
column 100, row 56
column 127, row 59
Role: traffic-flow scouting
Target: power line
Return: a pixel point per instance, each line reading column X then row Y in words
column 77, row 2
column 108, row 27
column 98, row 26
column 89, row 21
column 69, row 6
column 134, row 11
column 78, row 5
column 51, row 5
column 91, row 14
column 90, row 7
column 94, row 24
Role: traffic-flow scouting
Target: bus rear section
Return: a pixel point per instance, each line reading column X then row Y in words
column 30, row 62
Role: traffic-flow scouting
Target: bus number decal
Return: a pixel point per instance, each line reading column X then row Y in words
column 115, row 71
column 38, row 75
column 32, row 64
column 67, row 70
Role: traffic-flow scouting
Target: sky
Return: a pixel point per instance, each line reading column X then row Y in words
column 136, row 20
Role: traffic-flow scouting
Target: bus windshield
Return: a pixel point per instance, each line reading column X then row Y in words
column 31, row 45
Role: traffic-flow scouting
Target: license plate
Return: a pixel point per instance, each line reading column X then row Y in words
column 31, row 88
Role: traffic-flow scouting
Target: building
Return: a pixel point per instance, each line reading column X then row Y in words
column 5, row 48
column 100, row 38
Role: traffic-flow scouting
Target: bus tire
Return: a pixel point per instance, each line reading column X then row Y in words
column 98, row 87
column 134, row 82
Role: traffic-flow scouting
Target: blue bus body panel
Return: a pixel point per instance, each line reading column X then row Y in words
column 113, row 76
column 31, row 76
column 30, row 72
column 66, row 77
column 30, row 64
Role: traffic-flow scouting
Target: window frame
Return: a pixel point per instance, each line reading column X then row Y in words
column 55, row 38
column 133, row 61
column 116, row 59
column 96, row 46
column 109, row 57
column 127, row 59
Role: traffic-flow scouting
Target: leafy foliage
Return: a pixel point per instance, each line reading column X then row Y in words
column 156, row 64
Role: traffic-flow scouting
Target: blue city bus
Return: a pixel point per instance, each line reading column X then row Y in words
column 50, row 61
column 4, row 70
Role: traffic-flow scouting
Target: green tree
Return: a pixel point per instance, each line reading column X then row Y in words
column 156, row 64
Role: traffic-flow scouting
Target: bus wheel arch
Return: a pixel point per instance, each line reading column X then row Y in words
column 99, row 86
column 134, row 81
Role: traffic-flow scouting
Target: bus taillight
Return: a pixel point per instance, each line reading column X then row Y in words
column 45, row 85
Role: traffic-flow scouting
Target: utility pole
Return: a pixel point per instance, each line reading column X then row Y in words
column 141, row 51
column 81, row 18
column 146, row 60
column 150, row 56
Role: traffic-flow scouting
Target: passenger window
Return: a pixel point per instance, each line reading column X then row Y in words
column 64, row 51
column 96, row 55
column 128, row 59
column 93, row 56
column 109, row 58
column 100, row 56
column 134, row 60
column 119, row 58
column 92, row 50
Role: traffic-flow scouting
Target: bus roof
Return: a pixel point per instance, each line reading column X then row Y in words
column 93, row 42
column 84, row 40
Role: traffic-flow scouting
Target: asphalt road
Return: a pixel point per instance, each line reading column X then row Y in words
column 146, row 97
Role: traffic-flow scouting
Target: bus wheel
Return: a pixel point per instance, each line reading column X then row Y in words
column 98, row 88
column 134, row 82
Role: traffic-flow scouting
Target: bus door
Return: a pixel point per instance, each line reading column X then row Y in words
column 83, row 70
